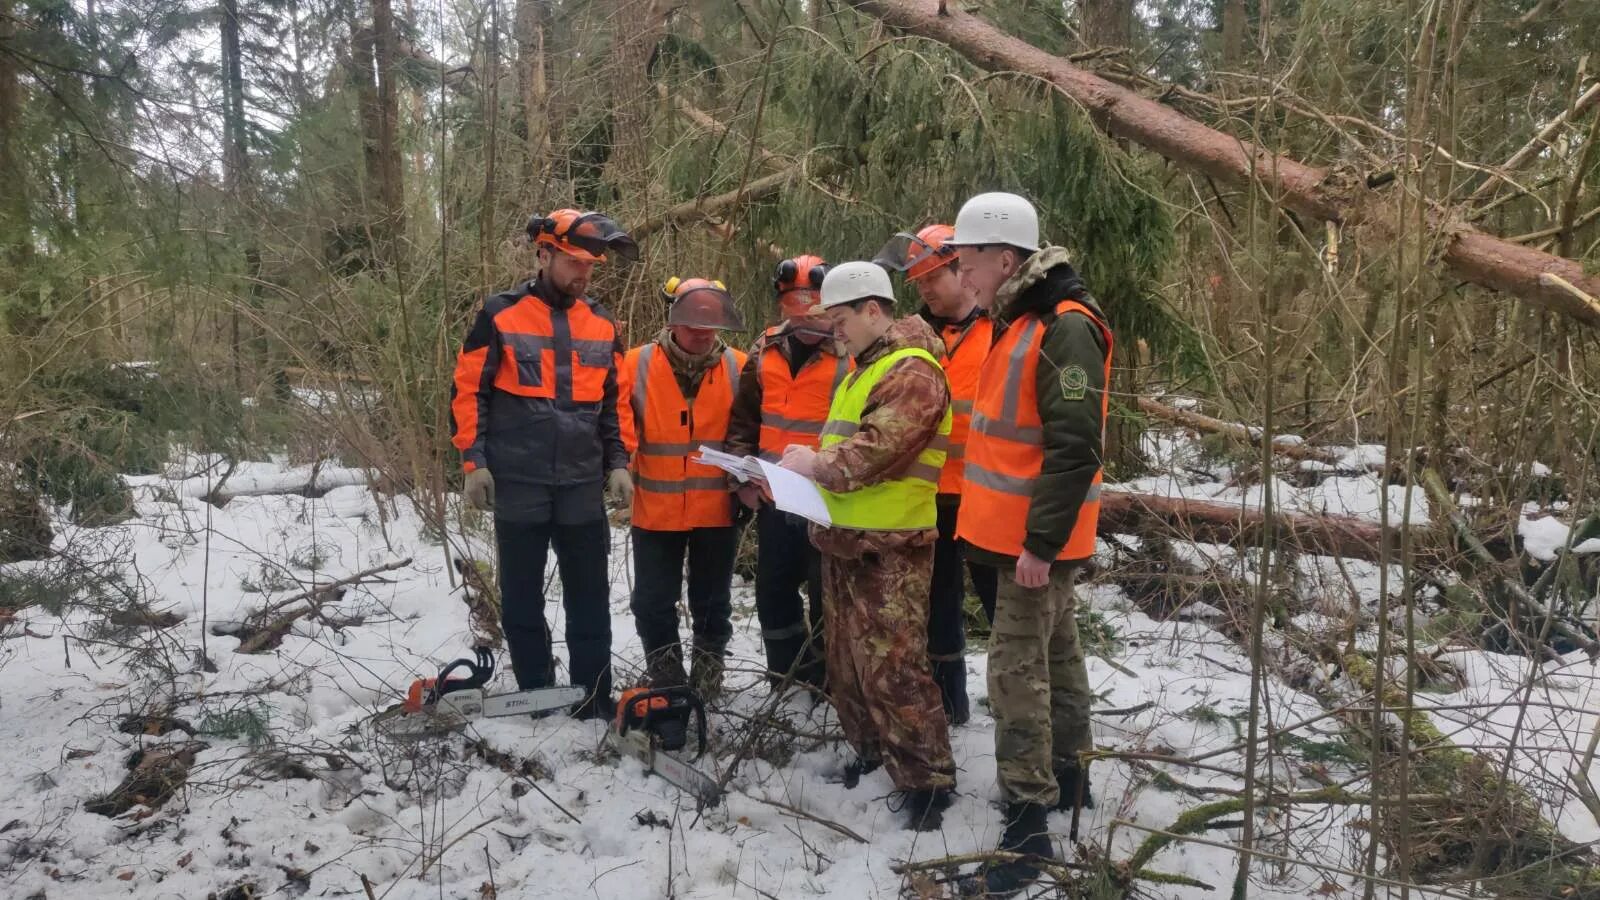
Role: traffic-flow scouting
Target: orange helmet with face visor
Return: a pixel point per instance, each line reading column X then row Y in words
column 918, row 255
column 588, row 236
column 703, row 303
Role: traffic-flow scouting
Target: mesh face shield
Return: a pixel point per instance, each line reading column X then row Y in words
column 704, row 305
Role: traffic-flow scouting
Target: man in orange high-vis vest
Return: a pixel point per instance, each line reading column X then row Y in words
column 952, row 310
column 534, row 414
column 1030, row 501
column 783, row 400
column 676, row 394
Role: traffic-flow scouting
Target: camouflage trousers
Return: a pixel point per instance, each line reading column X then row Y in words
column 876, row 620
column 1038, row 685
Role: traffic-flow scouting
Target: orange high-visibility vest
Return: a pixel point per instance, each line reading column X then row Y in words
column 795, row 407
column 1005, row 449
column 965, row 349
column 662, row 429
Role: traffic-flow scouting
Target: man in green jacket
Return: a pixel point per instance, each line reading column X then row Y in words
column 1030, row 505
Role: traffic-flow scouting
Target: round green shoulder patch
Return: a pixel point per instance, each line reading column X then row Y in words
column 1074, row 383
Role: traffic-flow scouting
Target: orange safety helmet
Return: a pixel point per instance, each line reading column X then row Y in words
column 703, row 303
column 588, row 236
column 918, row 255
column 802, row 273
column 669, row 288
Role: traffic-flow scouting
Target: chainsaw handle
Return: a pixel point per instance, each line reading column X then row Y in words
column 628, row 720
column 481, row 670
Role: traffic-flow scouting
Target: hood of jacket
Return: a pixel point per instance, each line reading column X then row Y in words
column 909, row 332
column 1047, row 278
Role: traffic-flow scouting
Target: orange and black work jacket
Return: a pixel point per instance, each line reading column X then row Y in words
column 966, row 345
column 784, row 393
column 663, row 425
column 535, row 392
column 1034, row 454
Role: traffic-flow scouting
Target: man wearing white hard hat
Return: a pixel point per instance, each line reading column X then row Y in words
column 1030, row 501
column 878, row 464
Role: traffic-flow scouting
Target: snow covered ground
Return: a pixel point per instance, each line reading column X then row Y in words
column 437, row 822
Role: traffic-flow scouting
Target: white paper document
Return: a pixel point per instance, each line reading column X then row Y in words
column 795, row 493
column 791, row 491
column 743, row 468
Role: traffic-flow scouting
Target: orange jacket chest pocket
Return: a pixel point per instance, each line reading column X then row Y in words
column 591, row 361
column 526, row 366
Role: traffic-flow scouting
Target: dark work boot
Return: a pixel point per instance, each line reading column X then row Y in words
column 1071, row 779
column 1026, row 834
column 951, row 676
column 705, row 669
column 664, row 667
column 927, row 808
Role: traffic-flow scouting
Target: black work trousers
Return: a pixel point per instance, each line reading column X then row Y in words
column 658, row 558
column 581, row 552
column 785, row 561
column 947, row 627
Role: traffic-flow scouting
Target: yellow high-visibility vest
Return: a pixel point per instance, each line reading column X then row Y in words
column 905, row 503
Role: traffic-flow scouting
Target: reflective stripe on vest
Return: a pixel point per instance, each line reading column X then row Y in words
column 965, row 351
column 1005, row 448
column 556, row 354
column 898, row 504
column 672, row 492
column 794, row 407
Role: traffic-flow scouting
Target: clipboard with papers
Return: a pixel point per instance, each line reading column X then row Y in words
column 791, row 491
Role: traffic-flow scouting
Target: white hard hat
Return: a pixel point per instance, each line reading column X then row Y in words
column 851, row 281
column 997, row 218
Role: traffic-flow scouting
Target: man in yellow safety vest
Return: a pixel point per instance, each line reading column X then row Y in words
column 878, row 464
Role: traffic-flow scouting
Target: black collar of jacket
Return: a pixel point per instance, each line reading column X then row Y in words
column 1059, row 282
column 541, row 287
column 938, row 323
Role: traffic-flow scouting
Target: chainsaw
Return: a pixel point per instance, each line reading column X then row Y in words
column 442, row 705
column 652, row 725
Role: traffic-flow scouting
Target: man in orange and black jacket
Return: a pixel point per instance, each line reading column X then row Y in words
column 967, row 332
column 534, row 414
column 783, row 398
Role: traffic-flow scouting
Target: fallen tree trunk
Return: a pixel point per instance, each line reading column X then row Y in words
column 1215, row 522
column 1333, row 195
column 1240, row 433
column 706, row 207
column 1512, row 587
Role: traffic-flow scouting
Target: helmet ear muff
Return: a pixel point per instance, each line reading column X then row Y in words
column 538, row 225
column 816, row 275
column 785, row 274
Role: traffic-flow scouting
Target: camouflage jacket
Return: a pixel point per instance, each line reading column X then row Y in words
column 902, row 415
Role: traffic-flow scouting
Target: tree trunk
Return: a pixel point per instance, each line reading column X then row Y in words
column 1233, row 29
column 15, row 231
column 236, row 177
column 1210, row 521
column 1337, row 195
column 361, row 62
column 487, row 239
column 390, row 184
column 627, row 171
column 1105, row 23
column 533, row 85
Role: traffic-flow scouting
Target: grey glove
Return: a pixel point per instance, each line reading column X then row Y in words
column 479, row 490
column 620, row 484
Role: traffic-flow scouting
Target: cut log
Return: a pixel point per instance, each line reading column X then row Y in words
column 1333, row 195
column 1215, row 522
